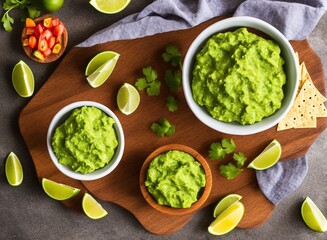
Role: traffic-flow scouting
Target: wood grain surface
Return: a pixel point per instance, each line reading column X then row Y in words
column 67, row 84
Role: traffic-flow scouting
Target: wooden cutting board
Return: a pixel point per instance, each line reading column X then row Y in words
column 68, row 84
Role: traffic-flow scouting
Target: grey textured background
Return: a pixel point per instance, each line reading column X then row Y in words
column 27, row 213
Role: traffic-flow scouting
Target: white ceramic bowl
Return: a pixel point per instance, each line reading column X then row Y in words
column 291, row 69
column 61, row 116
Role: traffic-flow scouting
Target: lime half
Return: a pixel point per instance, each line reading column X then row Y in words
column 98, row 74
column 14, row 170
column 269, row 156
column 92, row 208
column 312, row 216
column 128, row 98
column 227, row 220
column 109, row 6
column 225, row 203
column 23, row 79
column 58, row 191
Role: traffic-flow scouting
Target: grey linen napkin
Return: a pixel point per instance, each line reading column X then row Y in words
column 295, row 19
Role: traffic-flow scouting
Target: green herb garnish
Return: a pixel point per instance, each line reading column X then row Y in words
column 149, row 82
column 9, row 5
column 173, row 79
column 163, row 128
column 172, row 55
column 172, row 104
column 219, row 150
column 230, row 171
column 240, row 158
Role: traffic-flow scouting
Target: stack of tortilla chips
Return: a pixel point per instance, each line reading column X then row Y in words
column 308, row 105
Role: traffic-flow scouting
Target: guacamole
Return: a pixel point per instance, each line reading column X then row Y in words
column 175, row 179
column 86, row 141
column 238, row 77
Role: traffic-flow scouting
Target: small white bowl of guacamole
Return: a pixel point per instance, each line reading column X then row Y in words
column 85, row 140
column 240, row 76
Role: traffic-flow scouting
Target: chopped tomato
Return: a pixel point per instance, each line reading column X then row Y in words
column 47, row 22
column 47, row 34
column 56, row 49
column 32, row 42
column 55, row 22
column 39, row 29
column 51, row 41
column 30, row 31
column 29, row 23
column 43, row 45
column 58, row 30
column 47, row 52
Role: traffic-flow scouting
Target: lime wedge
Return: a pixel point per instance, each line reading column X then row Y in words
column 312, row 216
column 58, row 191
column 92, row 208
column 128, row 98
column 14, row 170
column 23, row 79
column 109, row 6
column 227, row 220
column 269, row 156
column 99, row 60
column 225, row 203
column 102, row 73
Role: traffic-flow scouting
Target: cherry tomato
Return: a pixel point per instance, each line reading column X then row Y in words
column 38, row 30
column 43, row 45
column 32, row 42
column 47, row 34
column 58, row 30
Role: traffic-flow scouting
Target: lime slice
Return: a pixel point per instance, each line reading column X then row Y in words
column 109, row 6
column 128, row 98
column 14, row 170
column 58, row 191
column 269, row 156
column 92, row 208
column 23, row 79
column 99, row 60
column 312, row 216
column 225, row 203
column 102, row 73
column 227, row 220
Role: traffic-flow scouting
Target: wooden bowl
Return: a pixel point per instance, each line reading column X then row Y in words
column 170, row 210
column 51, row 57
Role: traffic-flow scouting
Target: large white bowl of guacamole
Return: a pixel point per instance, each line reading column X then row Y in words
column 85, row 140
column 240, row 76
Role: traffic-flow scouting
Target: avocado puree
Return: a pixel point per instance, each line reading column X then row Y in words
column 239, row 76
column 86, row 141
column 175, row 179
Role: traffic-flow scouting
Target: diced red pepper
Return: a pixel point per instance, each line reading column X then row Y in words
column 43, row 45
column 55, row 22
column 32, row 42
column 51, row 41
column 30, row 31
column 47, row 34
column 39, row 30
column 56, row 49
column 47, row 52
column 29, row 23
column 47, row 22
column 58, row 30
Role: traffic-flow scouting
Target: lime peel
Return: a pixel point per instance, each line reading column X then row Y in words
column 268, row 157
column 58, row 191
column 13, row 170
column 92, row 208
column 312, row 216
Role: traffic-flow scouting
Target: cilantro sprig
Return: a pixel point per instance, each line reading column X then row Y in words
column 149, row 82
column 230, row 171
column 172, row 55
column 173, row 79
column 172, row 104
column 219, row 150
column 163, row 128
column 9, row 5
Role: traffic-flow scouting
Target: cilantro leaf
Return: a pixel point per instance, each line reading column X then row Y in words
column 172, row 104
column 228, row 144
column 173, row 79
column 230, row 171
column 163, row 128
column 240, row 158
column 172, row 55
column 219, row 150
column 149, row 82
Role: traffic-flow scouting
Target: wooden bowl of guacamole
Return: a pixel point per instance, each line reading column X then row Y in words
column 85, row 140
column 240, row 76
column 175, row 179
